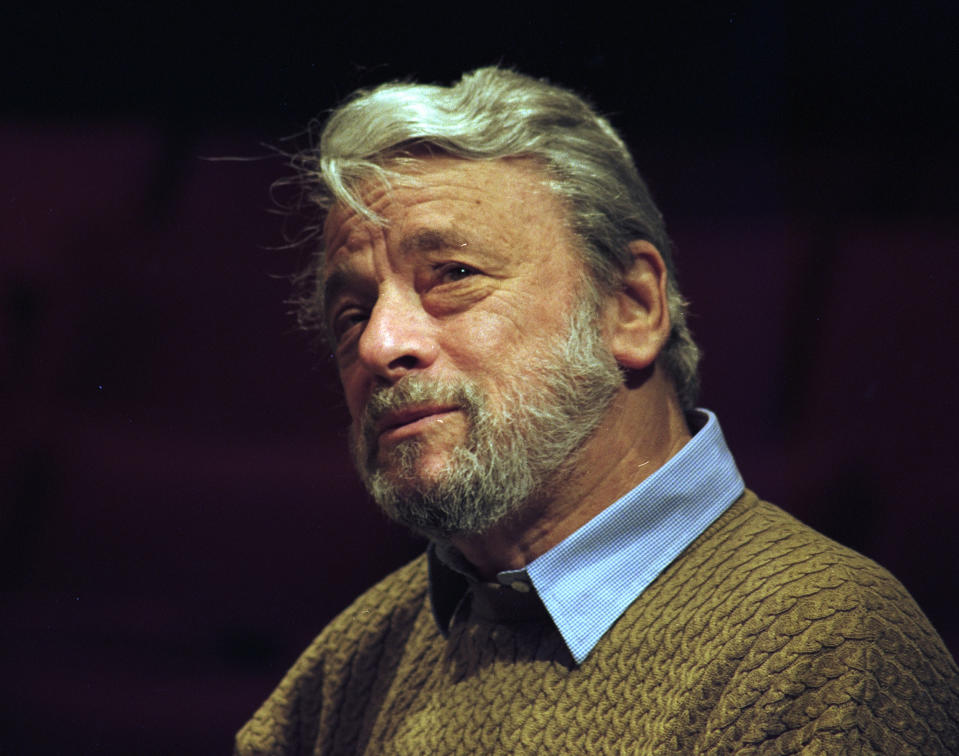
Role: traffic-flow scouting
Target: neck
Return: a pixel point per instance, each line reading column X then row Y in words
column 643, row 428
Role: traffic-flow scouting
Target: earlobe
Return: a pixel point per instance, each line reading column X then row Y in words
column 640, row 315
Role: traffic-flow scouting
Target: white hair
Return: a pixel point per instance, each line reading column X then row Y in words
column 490, row 114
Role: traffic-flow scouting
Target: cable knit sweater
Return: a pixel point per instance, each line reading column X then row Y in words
column 763, row 637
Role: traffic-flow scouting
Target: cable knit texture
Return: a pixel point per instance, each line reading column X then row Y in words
column 763, row 637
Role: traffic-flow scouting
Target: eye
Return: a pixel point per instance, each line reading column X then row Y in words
column 345, row 321
column 451, row 272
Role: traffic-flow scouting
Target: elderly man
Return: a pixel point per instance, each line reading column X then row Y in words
column 497, row 287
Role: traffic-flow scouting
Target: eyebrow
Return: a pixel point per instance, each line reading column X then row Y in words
column 432, row 239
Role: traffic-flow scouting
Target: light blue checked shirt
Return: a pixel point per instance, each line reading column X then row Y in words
column 587, row 581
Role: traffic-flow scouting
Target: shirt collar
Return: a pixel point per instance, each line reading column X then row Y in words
column 588, row 580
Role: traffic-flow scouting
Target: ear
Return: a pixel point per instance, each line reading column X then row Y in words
column 638, row 314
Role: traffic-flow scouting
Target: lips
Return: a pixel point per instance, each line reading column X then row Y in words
column 398, row 419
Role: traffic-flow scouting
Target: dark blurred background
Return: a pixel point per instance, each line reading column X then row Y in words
column 179, row 516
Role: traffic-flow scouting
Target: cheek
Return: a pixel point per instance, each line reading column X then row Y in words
column 506, row 344
column 479, row 356
column 353, row 393
column 482, row 342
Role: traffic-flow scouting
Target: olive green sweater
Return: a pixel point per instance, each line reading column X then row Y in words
column 762, row 637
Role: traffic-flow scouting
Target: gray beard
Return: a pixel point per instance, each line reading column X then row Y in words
column 514, row 451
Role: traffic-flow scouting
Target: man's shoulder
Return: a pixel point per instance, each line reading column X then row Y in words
column 769, row 561
column 760, row 579
column 346, row 654
column 775, row 632
column 394, row 601
column 768, row 545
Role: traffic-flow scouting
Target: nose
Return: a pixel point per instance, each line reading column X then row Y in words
column 398, row 337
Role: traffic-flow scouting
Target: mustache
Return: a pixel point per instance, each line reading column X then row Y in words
column 413, row 390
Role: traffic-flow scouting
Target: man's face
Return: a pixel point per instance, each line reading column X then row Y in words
column 469, row 354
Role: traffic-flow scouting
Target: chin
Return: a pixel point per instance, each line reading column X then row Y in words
column 409, row 462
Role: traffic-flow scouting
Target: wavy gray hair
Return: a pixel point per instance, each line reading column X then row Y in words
column 489, row 114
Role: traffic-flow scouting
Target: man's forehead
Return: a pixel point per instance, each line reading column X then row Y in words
column 440, row 176
column 345, row 242
column 447, row 204
column 345, row 227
